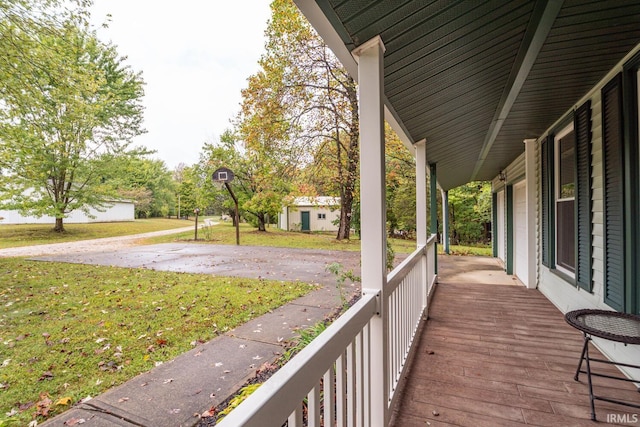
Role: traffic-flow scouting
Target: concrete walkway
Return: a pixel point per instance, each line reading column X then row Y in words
column 175, row 393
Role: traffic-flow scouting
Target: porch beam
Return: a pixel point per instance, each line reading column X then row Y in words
column 373, row 218
column 542, row 19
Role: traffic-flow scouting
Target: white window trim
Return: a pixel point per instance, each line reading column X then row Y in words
column 556, row 186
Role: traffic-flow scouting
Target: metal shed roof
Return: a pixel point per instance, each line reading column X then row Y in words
column 476, row 78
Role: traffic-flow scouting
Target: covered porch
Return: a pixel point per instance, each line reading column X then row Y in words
column 494, row 353
column 478, row 91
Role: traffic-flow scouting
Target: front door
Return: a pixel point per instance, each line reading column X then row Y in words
column 306, row 222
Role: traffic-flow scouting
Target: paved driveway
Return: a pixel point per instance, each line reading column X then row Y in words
column 258, row 262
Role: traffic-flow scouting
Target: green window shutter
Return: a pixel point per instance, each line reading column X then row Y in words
column 494, row 223
column 509, row 203
column 582, row 126
column 612, row 145
column 546, row 165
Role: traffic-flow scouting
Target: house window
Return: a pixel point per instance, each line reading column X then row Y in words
column 322, row 216
column 565, row 185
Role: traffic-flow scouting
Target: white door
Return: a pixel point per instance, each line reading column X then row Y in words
column 500, row 240
column 520, row 255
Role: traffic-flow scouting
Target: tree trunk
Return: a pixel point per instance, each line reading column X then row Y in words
column 353, row 153
column 59, row 227
column 344, row 230
column 261, row 222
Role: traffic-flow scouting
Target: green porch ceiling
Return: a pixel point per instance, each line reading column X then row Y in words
column 477, row 78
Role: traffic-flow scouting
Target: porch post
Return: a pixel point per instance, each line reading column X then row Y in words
column 531, row 187
column 373, row 219
column 421, row 192
column 434, row 207
column 445, row 221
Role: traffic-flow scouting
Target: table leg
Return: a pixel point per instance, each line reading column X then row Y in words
column 586, row 354
column 584, row 348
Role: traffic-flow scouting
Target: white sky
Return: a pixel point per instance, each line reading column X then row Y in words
column 195, row 57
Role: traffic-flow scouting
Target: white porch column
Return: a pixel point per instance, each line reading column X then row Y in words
column 422, row 233
column 373, row 217
column 445, row 220
column 531, row 189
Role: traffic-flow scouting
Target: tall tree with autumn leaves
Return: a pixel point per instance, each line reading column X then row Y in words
column 300, row 112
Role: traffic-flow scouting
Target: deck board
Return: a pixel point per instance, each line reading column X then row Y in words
column 494, row 353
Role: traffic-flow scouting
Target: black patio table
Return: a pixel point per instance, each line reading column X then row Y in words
column 609, row 325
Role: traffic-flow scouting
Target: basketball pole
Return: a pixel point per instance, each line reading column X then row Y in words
column 237, row 220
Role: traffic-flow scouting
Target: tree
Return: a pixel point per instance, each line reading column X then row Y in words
column 261, row 174
column 304, row 104
column 66, row 100
column 146, row 181
column 400, row 168
column 470, row 213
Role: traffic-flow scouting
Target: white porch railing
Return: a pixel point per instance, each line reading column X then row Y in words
column 328, row 382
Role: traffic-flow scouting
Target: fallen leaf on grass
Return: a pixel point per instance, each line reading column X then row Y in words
column 25, row 406
column 44, row 405
column 45, row 376
column 13, row 412
column 64, row 401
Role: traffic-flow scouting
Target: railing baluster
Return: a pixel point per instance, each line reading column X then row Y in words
column 295, row 419
column 351, row 385
column 366, row 339
column 341, row 391
column 313, row 407
column 329, row 398
column 359, row 396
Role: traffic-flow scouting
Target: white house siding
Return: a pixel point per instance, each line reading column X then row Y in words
column 564, row 295
column 117, row 212
column 515, row 171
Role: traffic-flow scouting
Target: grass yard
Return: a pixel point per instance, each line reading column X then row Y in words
column 38, row 234
column 224, row 233
column 68, row 331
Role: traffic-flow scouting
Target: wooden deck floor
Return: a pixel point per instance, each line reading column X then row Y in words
column 494, row 353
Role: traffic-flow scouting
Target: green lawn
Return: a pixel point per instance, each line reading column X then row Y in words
column 38, row 234
column 224, row 233
column 68, row 330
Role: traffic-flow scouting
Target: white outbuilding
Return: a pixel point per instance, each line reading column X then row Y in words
column 307, row 214
column 115, row 211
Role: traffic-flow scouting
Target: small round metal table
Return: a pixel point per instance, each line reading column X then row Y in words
column 609, row 325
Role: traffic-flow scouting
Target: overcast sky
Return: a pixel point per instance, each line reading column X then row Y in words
column 195, row 56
